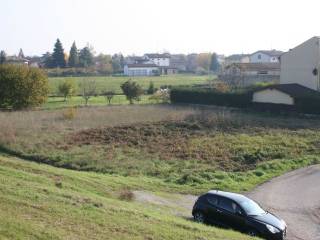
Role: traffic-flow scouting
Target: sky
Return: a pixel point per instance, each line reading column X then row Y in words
column 150, row 26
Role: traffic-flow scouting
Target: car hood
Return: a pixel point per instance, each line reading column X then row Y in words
column 270, row 219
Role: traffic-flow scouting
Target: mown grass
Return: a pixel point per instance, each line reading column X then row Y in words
column 114, row 83
column 43, row 202
column 195, row 149
column 75, row 101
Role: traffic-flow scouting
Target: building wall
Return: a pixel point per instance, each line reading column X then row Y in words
column 139, row 71
column 162, row 62
column 298, row 64
column 260, row 57
column 272, row 96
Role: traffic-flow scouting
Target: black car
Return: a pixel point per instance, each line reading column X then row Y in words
column 238, row 212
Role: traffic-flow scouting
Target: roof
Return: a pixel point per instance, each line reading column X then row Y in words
column 256, row 66
column 157, row 55
column 233, row 196
column 293, row 89
column 271, row 53
column 142, row 65
column 237, row 57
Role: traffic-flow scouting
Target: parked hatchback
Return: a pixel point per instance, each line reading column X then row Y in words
column 238, row 212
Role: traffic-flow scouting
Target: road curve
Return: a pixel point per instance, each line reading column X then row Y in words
column 295, row 197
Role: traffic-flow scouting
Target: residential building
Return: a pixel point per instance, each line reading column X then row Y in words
column 17, row 60
column 245, row 74
column 179, row 61
column 141, row 70
column 237, row 58
column 265, row 56
column 301, row 65
column 161, row 60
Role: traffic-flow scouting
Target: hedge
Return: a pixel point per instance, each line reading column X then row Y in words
column 306, row 104
column 210, row 97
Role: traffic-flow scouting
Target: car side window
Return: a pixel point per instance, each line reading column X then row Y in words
column 228, row 205
column 213, row 200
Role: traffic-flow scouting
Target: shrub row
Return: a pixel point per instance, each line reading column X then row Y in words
column 210, row 96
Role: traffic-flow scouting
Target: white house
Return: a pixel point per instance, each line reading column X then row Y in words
column 265, row 56
column 302, row 64
column 141, row 70
column 161, row 60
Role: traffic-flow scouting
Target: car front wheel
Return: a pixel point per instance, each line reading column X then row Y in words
column 199, row 217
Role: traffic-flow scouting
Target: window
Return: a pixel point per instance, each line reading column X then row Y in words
column 259, row 56
column 212, row 200
column 228, row 205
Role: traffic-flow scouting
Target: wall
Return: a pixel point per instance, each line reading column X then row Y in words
column 272, row 96
column 139, row 71
column 163, row 62
column 298, row 64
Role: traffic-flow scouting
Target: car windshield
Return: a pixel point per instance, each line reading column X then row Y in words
column 251, row 208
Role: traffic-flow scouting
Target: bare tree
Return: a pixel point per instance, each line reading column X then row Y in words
column 108, row 95
column 88, row 89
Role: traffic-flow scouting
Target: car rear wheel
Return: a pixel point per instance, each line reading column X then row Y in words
column 199, row 217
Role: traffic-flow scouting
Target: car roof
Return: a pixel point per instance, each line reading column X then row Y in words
column 233, row 196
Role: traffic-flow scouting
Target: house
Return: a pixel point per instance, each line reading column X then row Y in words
column 265, row 56
column 246, row 74
column 17, row 60
column 161, row 60
column 237, row 58
column 179, row 61
column 302, row 65
column 149, row 65
column 283, row 94
column 141, row 70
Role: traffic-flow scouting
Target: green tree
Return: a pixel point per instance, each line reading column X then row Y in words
column 103, row 64
column 67, row 89
column 46, row 60
column 132, row 90
column 151, row 88
column 22, row 86
column 214, row 65
column 86, row 57
column 3, row 57
column 58, row 58
column 73, row 56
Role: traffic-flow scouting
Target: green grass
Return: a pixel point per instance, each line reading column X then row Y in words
column 58, row 102
column 43, row 202
column 114, row 83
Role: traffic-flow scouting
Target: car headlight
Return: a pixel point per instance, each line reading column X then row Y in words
column 283, row 222
column 272, row 229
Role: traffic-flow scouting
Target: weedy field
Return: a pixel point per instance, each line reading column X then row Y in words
column 193, row 148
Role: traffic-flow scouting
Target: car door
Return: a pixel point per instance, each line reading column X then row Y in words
column 231, row 214
column 212, row 211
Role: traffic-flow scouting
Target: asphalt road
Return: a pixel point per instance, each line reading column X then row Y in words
column 295, row 197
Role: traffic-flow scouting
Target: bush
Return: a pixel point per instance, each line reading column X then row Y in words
column 210, row 96
column 126, row 195
column 132, row 90
column 69, row 114
column 67, row 89
column 22, row 87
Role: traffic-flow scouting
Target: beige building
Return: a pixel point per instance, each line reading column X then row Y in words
column 284, row 94
column 302, row 64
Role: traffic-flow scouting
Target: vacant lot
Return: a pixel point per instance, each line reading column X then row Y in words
column 113, row 83
column 180, row 146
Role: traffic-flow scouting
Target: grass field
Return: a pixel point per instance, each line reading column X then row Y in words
column 113, row 83
column 58, row 102
column 195, row 149
column 43, row 202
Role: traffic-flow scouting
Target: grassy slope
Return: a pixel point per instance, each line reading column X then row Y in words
column 113, row 83
column 43, row 202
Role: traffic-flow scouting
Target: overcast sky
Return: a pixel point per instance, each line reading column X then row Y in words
column 139, row 26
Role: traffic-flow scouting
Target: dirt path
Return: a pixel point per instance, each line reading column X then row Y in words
column 294, row 197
